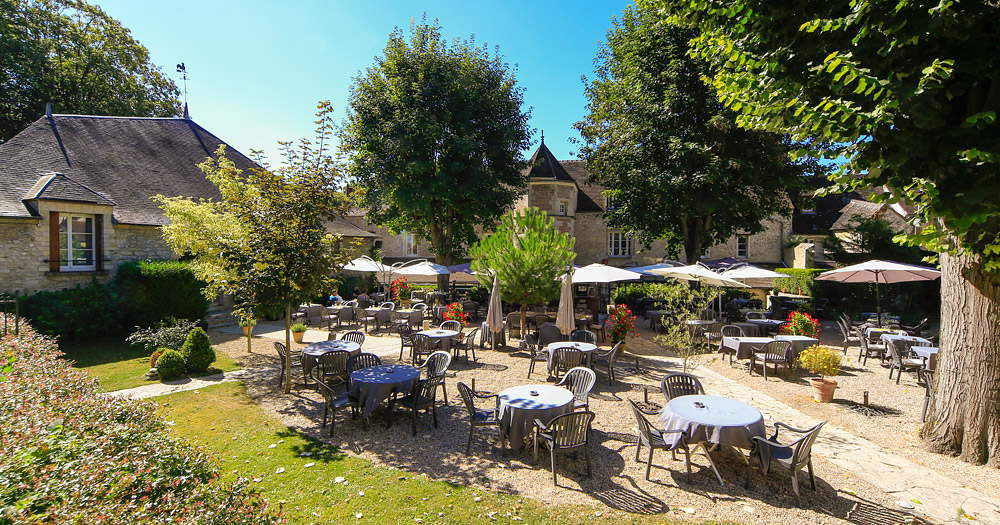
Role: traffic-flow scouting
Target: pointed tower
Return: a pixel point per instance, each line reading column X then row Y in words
column 551, row 188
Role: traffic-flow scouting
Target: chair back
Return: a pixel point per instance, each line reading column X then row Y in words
column 894, row 353
column 583, row 336
column 731, row 330
column 383, row 317
column 529, row 343
column 364, row 303
column 470, row 307
column 540, row 319
column 437, row 363
column 362, row 361
column 680, row 384
column 643, row 424
column 863, row 340
column 612, row 354
column 803, row 446
column 316, row 312
column 420, row 306
column 777, row 350
column 388, row 305
column 514, row 320
column 405, row 332
column 714, row 331
column 470, row 338
column 466, row 393
column 549, row 333
column 570, row 430
column 567, row 358
column 345, row 314
column 333, row 363
column 579, row 380
column 928, row 383
column 328, row 394
column 426, row 391
column 359, row 313
column 415, row 318
column 452, row 325
column 354, row 337
column 756, row 315
column 421, row 345
column 282, row 351
column 352, row 302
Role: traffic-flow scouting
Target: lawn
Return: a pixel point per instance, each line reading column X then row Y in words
column 119, row 366
column 299, row 473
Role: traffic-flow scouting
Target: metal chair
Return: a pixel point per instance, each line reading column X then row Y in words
column 354, row 337
column 653, row 439
column 282, row 356
column 775, row 352
column 477, row 417
column 435, row 366
column 422, row 345
column 566, row 359
column 845, row 332
column 332, row 402
column 467, row 344
column 423, row 398
column 869, row 348
column 528, row 343
column 564, row 432
column 678, row 384
column 405, row 338
column 793, row 456
column 580, row 381
column 897, row 362
column 608, row 358
column 583, row 336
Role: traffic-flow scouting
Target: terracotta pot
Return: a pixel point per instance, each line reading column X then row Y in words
column 406, row 303
column 823, row 389
column 297, row 336
column 247, row 331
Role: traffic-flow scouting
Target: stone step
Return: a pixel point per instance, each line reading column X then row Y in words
column 225, row 318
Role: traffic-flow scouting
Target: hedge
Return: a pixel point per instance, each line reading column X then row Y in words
column 71, row 455
column 910, row 300
column 155, row 290
column 82, row 312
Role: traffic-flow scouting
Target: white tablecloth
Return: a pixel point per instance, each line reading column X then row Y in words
column 718, row 420
column 519, row 409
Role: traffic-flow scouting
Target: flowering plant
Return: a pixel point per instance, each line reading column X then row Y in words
column 454, row 312
column 820, row 360
column 401, row 289
column 621, row 324
column 801, row 323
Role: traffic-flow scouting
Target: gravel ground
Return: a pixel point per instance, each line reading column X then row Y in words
column 618, row 483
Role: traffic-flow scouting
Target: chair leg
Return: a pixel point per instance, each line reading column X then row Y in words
column 795, row 483
column 444, row 391
column 468, row 447
column 534, row 460
column 638, row 446
column 586, row 451
column 812, row 478
column 750, row 462
column 899, row 374
column 333, row 420
column 531, row 368
column 552, row 456
column 649, row 462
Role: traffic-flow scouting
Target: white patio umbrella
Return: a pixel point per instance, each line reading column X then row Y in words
column 565, row 321
column 697, row 272
column 602, row 273
column 749, row 271
column 365, row 264
column 877, row 271
column 494, row 315
column 425, row 268
column 647, row 270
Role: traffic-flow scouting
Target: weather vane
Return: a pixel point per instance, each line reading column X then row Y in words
column 184, row 75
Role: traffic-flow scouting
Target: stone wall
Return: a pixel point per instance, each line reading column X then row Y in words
column 765, row 247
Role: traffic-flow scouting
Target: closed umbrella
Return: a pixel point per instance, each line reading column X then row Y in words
column 877, row 271
column 494, row 315
column 564, row 319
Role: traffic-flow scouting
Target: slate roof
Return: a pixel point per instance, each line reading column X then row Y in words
column 826, row 210
column 59, row 187
column 543, row 164
column 341, row 226
column 855, row 208
column 125, row 160
column 589, row 197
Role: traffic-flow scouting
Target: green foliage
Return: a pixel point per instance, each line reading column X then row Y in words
column 871, row 239
column 156, row 290
column 171, row 364
column 904, row 92
column 821, row 360
column 433, row 135
column 299, row 327
column 802, row 279
column 197, row 351
column 480, row 294
column 527, row 254
column 677, row 297
column 169, row 333
column 74, row 55
column 76, row 313
column 669, row 153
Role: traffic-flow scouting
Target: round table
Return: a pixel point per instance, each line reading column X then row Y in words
column 373, row 385
column 713, row 419
column 587, row 349
column 519, row 409
column 442, row 336
column 314, row 350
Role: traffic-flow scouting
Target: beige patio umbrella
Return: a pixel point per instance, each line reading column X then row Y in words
column 564, row 319
column 494, row 315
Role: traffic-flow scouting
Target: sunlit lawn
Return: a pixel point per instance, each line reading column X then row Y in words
column 119, row 366
column 225, row 420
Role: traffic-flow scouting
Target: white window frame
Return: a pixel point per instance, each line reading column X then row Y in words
column 609, row 202
column 67, row 260
column 562, row 207
column 746, row 247
column 409, row 244
column 619, row 245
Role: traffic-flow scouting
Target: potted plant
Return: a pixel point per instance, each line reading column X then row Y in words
column 401, row 291
column 621, row 325
column 298, row 330
column 824, row 361
column 801, row 323
column 247, row 326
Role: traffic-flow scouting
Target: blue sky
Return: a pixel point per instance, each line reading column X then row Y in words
column 256, row 69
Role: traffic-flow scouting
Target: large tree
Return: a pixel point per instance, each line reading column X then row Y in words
column 527, row 254
column 673, row 160
column 433, row 134
column 74, row 55
column 909, row 94
column 265, row 242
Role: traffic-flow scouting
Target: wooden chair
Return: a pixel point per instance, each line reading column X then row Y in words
column 678, row 384
column 653, row 439
column 608, row 358
column 580, row 381
column 477, row 417
column 792, row 456
column 564, row 432
column 775, row 353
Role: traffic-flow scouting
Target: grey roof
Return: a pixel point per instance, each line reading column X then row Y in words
column 544, row 165
column 341, row 226
column 125, row 160
column 589, row 197
column 855, row 208
column 59, row 187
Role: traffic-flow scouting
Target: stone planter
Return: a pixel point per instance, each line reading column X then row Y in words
column 823, row 389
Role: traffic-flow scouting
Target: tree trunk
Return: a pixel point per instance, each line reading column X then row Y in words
column 963, row 416
column 288, row 349
column 442, row 280
column 692, row 229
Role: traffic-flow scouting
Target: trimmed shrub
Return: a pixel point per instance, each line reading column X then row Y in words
column 69, row 454
column 171, row 364
column 156, row 290
column 82, row 312
column 197, row 351
column 169, row 333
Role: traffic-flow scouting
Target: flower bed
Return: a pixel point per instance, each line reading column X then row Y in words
column 70, row 455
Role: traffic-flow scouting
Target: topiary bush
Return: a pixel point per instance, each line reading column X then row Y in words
column 197, row 351
column 171, row 364
column 156, row 290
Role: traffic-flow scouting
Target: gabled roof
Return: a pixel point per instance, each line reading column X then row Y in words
column 543, row 165
column 855, row 208
column 58, row 187
column 125, row 160
column 341, row 226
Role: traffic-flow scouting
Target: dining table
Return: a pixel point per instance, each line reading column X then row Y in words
column 520, row 406
column 744, row 347
column 373, row 385
column 714, row 420
column 799, row 343
column 441, row 337
column 750, row 329
column 766, row 326
column 312, row 351
column 587, row 349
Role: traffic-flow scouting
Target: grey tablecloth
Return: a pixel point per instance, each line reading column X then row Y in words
column 314, row 350
column 519, row 409
column 720, row 420
column 443, row 337
column 799, row 342
column 373, row 385
column 588, row 350
column 750, row 329
column 744, row 346
column 766, row 326
column 904, row 343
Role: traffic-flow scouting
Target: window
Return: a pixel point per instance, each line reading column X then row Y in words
column 409, row 244
column 619, row 245
column 742, row 246
column 609, row 202
column 76, row 242
column 563, row 206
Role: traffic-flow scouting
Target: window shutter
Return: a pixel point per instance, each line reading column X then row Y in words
column 54, row 241
column 98, row 242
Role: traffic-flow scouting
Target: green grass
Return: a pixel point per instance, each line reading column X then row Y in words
column 225, row 420
column 119, row 366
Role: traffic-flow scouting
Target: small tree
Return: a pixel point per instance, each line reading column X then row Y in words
column 527, row 254
column 265, row 241
column 684, row 304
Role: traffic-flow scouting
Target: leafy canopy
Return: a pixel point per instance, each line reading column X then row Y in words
column 433, row 136
column 906, row 91
column 670, row 154
column 527, row 254
column 74, row 55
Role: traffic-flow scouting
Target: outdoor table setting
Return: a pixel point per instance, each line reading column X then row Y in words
column 904, row 342
column 587, row 349
column 441, row 337
column 713, row 420
column 927, row 352
column 520, row 406
column 799, row 343
column 744, row 346
column 314, row 350
column 751, row 329
column 488, row 337
column 373, row 385
column 745, row 311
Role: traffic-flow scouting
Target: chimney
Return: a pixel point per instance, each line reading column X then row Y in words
column 48, row 109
